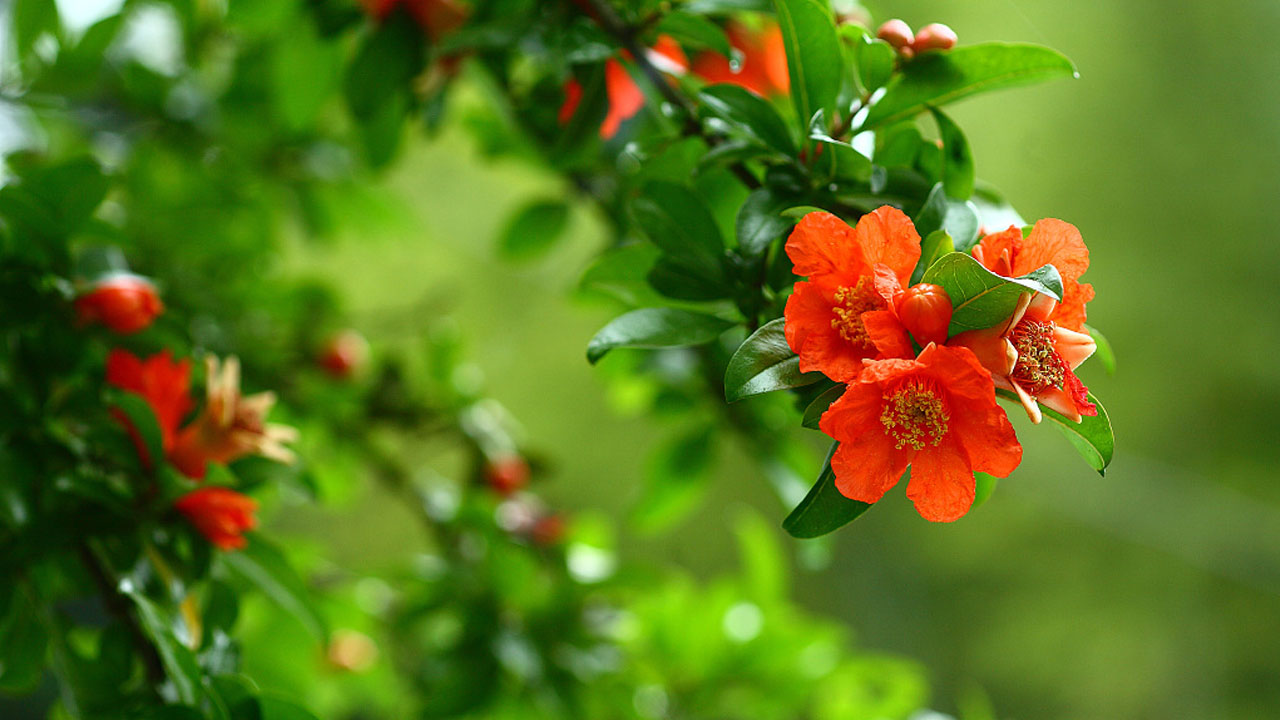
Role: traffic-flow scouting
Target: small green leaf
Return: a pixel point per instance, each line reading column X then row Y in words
column 656, row 328
column 680, row 223
column 764, row 363
column 981, row 298
column 143, row 421
column 824, row 509
column 814, row 57
column 695, row 30
column 1092, row 437
column 813, row 413
column 760, row 222
column 939, row 78
column 264, row 566
column 533, row 229
column 1104, row 353
column 957, row 160
column 933, row 247
column 875, row 63
column 383, row 68
column 753, row 114
column 957, row 217
column 179, row 662
column 984, row 486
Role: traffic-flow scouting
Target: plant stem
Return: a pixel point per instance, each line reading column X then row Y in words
column 111, row 598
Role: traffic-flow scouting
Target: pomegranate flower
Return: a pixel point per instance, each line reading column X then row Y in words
column 162, row 382
column 843, row 314
column 124, row 302
column 625, row 96
column 220, row 514
column 1053, row 242
column 1034, row 357
column 763, row 69
column 230, row 426
column 938, row 415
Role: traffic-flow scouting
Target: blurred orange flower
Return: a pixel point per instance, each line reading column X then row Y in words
column 625, row 96
column 162, row 382
column 124, row 302
column 763, row 69
column 220, row 514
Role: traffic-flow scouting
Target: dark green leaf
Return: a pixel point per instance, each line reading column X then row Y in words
column 934, row 245
column 679, row 223
column 675, row 279
column 957, row 160
column 533, row 229
column 695, row 30
column 957, row 217
column 814, row 57
column 264, row 566
column 621, row 272
column 656, row 328
column 270, row 708
column 179, row 662
column 1092, row 437
column 938, row 78
column 760, row 222
column 23, row 642
column 875, row 60
column 1104, row 353
column 753, row 114
column 383, row 68
column 144, row 422
column 813, row 413
column 824, row 509
column 764, row 363
column 981, row 298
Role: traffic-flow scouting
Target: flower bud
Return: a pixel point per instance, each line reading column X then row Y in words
column 895, row 32
column 507, row 474
column 925, row 310
column 548, row 530
column 934, row 36
column 345, row 354
column 123, row 302
column 220, row 514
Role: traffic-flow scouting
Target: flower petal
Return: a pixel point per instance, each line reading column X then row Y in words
column 942, row 485
column 810, row 335
column 822, row 246
column 1073, row 347
column 888, row 334
column 887, row 236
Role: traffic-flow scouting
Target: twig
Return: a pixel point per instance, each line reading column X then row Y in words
column 115, row 604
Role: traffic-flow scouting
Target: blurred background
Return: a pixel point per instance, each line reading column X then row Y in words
column 1151, row 593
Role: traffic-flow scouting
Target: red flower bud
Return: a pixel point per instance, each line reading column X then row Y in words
column 220, row 514
column 934, row 36
column 123, row 302
column 507, row 474
column 895, row 32
column 925, row 310
column 345, row 354
column 548, row 530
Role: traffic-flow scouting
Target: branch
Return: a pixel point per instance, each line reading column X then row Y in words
column 115, row 604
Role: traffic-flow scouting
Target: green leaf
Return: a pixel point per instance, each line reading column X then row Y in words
column 981, row 298
column 824, row 509
column 677, row 480
column 675, row 279
column 267, row 707
column 23, row 643
column 764, row 363
column 179, row 662
column 264, row 566
column 957, row 217
column 938, row 78
column 814, row 57
column 813, row 413
column 753, row 114
column 143, row 420
column 533, row 229
column 695, row 30
column 679, row 223
column 934, row 246
column 656, row 328
column 875, row 63
column 760, row 222
column 305, row 72
column 764, row 564
column 994, row 212
column 383, row 68
column 1092, row 437
column 984, row 486
column 957, row 160
column 1104, row 353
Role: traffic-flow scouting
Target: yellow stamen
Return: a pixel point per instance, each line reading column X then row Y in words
column 851, row 302
column 914, row 414
column 1039, row 366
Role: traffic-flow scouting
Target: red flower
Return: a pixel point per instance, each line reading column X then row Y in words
column 843, row 314
column 344, row 354
column 763, row 69
column 1032, row 356
column 1050, row 242
column 123, row 302
column 507, row 474
column 625, row 96
column 936, row 413
column 220, row 514
column 163, row 383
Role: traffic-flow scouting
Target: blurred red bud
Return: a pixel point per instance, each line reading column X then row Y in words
column 123, row 302
column 925, row 310
column 344, row 354
column 895, row 32
column 507, row 474
column 934, row 36
column 548, row 530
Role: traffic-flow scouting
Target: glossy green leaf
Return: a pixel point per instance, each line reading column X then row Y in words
column 264, row 566
column 824, row 509
column 1092, row 437
column 958, row 217
column 753, row 114
column 813, row 413
column 814, row 57
column 764, row 363
column 957, row 159
column 981, row 298
column 534, row 229
column 695, row 30
column 680, row 223
column 656, row 328
column 932, row 248
column 1104, row 353
column 875, row 60
column 938, row 78
column 760, row 221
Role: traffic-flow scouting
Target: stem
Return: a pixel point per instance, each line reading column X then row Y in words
column 116, row 605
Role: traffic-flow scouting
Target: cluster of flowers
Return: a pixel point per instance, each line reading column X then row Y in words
column 917, row 396
column 229, row 427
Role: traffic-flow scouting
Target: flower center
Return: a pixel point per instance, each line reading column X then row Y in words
column 1039, row 366
column 914, row 414
column 851, row 302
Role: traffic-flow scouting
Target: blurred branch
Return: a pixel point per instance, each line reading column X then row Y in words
column 109, row 591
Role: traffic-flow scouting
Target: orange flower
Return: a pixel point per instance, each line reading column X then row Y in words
column 844, row 313
column 220, row 514
column 124, row 302
column 163, row 383
column 437, row 17
column 1050, row 242
column 1031, row 355
column 625, row 96
column 763, row 70
column 936, row 413
column 230, row 426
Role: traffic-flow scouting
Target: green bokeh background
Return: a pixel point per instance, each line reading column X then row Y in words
column 1150, row 593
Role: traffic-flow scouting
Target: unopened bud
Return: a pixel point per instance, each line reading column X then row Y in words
column 925, row 310
column 123, row 302
column 345, row 354
column 895, row 32
column 934, row 36
column 507, row 474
